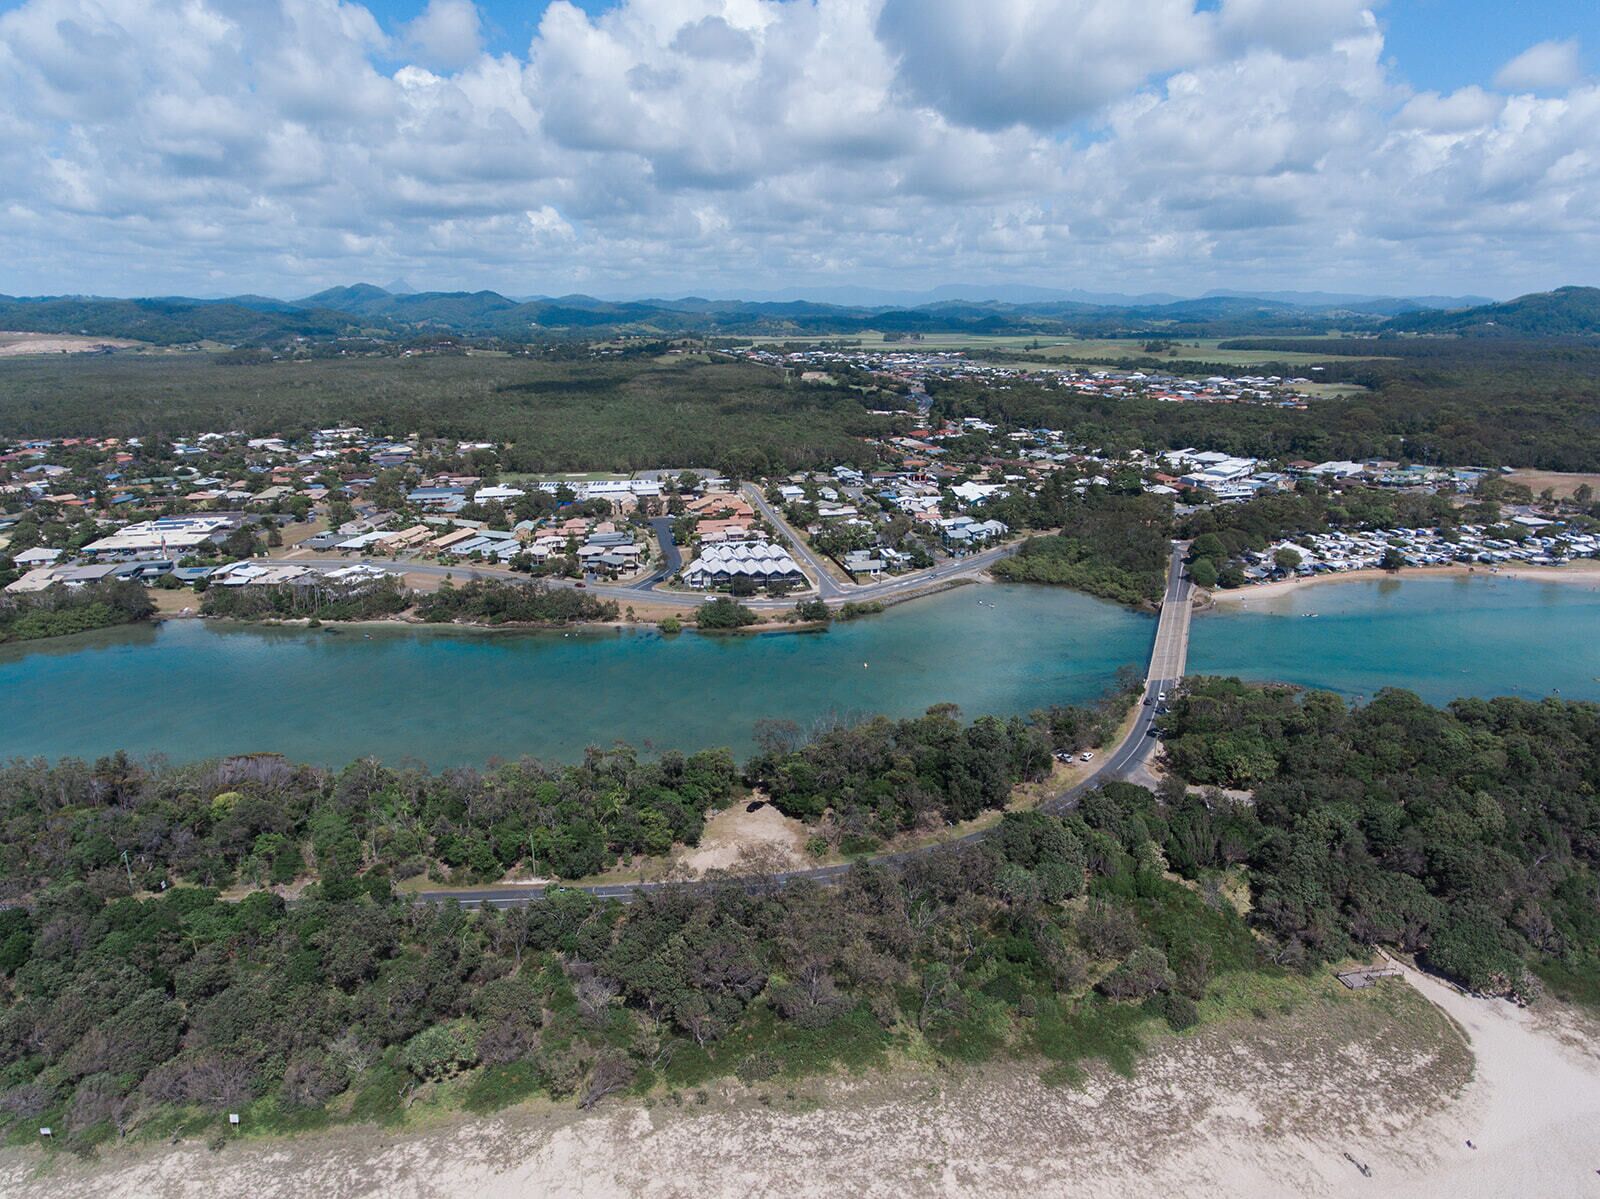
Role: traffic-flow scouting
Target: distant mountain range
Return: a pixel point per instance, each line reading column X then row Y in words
column 396, row 313
column 981, row 293
column 1565, row 312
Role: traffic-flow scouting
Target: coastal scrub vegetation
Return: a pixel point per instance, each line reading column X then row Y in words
column 253, row 820
column 1058, row 939
column 1469, row 834
column 60, row 610
column 624, row 413
column 490, row 601
column 884, row 776
column 1447, row 401
column 722, row 614
column 383, row 597
column 1110, row 543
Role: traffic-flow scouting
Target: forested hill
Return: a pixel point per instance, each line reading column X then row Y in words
column 369, row 311
column 177, row 321
column 1565, row 312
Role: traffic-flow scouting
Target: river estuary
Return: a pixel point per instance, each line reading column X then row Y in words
column 192, row 689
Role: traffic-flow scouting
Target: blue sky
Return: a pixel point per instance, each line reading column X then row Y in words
column 1446, row 44
column 737, row 146
column 1437, row 44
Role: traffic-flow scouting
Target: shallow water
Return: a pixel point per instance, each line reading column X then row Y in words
column 1439, row 637
column 193, row 689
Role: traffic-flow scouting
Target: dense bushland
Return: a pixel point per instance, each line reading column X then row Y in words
column 1470, row 833
column 60, row 610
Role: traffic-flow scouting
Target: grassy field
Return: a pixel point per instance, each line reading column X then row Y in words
column 616, row 415
column 1189, row 350
column 1028, row 347
column 1323, row 391
column 1562, row 483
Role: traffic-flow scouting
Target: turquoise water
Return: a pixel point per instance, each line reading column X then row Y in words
column 1439, row 637
column 193, row 689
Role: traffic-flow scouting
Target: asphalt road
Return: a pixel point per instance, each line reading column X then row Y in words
column 671, row 555
column 1165, row 672
column 828, row 587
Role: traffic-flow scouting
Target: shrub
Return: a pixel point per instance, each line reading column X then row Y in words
column 724, row 613
column 1144, row 973
column 441, row 1050
column 1179, row 1011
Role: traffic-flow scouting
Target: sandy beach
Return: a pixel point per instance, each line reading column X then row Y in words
column 1583, row 572
column 1397, row 1079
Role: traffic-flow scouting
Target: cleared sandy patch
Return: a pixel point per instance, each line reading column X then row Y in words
column 15, row 345
column 178, row 602
column 741, row 841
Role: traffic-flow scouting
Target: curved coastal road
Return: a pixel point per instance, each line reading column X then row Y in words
column 1168, row 656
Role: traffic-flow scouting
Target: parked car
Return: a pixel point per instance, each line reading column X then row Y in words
column 1087, row 755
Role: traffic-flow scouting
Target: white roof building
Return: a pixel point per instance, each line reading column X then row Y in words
column 501, row 493
column 761, row 562
column 166, row 536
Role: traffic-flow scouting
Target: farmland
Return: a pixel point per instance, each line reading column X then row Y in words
column 1037, row 348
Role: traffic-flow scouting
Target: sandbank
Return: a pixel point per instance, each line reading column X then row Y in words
column 1583, row 571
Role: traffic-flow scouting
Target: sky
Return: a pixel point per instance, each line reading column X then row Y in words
column 675, row 147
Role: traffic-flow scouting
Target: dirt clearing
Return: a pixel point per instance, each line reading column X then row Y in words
column 15, row 345
column 1561, row 483
column 743, row 841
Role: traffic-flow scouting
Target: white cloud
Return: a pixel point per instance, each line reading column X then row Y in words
column 160, row 146
column 1035, row 62
column 447, row 34
column 1547, row 66
column 1297, row 28
column 713, row 38
column 1463, row 109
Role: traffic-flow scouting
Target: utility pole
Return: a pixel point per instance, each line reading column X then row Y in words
column 127, row 865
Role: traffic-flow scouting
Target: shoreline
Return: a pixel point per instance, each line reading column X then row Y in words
column 1440, row 1095
column 1584, row 570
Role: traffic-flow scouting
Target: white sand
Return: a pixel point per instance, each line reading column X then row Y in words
column 1533, row 1110
column 1582, row 572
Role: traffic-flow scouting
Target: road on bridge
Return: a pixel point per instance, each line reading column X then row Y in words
column 1168, row 655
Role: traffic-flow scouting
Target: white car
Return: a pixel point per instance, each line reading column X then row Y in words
column 1161, row 697
column 1086, row 755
